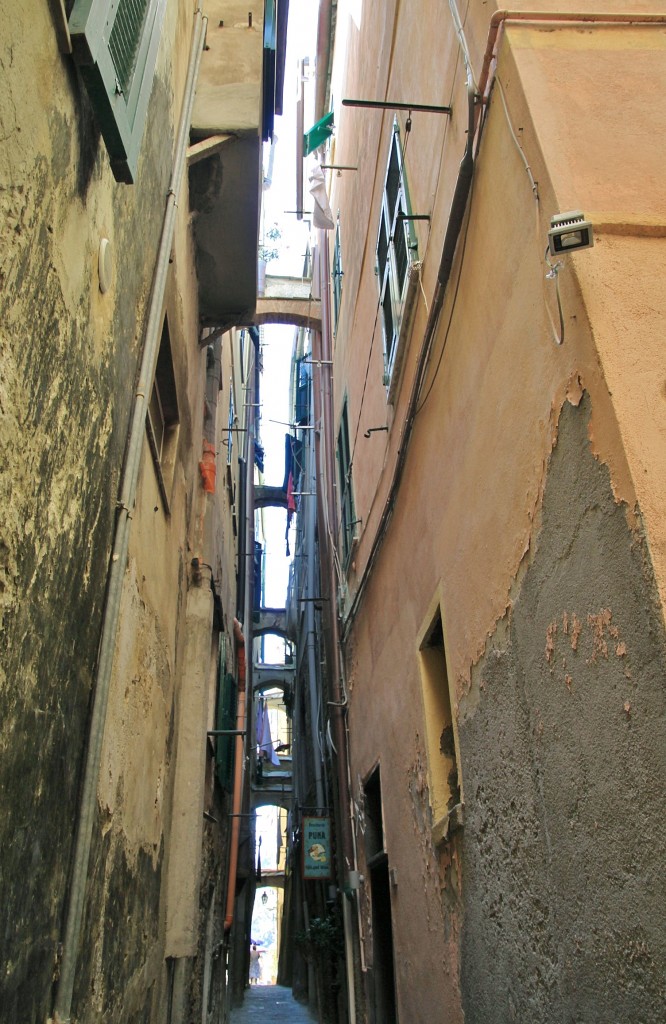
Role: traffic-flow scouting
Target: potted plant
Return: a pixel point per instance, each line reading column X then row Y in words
column 267, row 251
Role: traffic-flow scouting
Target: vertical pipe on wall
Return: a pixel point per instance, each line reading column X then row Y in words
column 337, row 703
column 128, row 486
column 213, row 370
column 310, row 593
column 244, row 638
column 239, row 758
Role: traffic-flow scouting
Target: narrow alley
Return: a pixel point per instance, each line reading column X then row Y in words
column 270, row 1004
column 333, row 512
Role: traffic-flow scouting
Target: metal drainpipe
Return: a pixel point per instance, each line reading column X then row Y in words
column 313, row 677
column 213, row 366
column 242, row 541
column 241, row 717
column 595, row 18
column 130, row 475
column 337, row 705
column 244, row 639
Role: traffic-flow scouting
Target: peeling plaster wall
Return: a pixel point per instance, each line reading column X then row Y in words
column 562, row 739
column 68, row 360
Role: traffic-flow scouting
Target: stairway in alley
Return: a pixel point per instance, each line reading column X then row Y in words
column 270, row 1004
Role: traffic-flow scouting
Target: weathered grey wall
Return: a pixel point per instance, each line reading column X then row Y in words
column 67, row 363
column 563, row 759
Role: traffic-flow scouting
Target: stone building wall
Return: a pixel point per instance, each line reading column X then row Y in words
column 502, row 604
column 68, row 364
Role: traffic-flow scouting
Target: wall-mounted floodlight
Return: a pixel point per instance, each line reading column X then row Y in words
column 568, row 232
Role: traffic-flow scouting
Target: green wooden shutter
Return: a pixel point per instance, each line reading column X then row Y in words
column 337, row 277
column 115, row 44
column 318, row 134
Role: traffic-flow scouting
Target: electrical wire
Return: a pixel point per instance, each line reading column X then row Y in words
column 453, row 301
column 554, row 275
column 365, row 384
column 420, row 262
column 553, row 268
column 521, row 151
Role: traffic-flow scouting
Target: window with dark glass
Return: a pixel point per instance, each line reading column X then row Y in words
column 347, row 517
column 396, row 250
column 337, row 277
column 303, row 374
column 162, row 420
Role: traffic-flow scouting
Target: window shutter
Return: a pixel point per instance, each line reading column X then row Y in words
column 115, row 44
column 302, row 393
column 337, row 277
column 393, row 177
column 396, row 251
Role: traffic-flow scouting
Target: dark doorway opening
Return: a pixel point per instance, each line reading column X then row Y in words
column 383, row 973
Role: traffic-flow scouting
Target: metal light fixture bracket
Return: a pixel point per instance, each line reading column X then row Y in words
column 568, row 232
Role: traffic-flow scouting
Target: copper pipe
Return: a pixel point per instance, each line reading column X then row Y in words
column 238, row 776
column 499, row 17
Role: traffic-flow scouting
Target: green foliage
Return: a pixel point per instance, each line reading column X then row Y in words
column 268, row 252
column 323, row 940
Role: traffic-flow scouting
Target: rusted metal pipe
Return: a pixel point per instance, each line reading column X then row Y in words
column 595, row 18
column 337, row 703
column 238, row 777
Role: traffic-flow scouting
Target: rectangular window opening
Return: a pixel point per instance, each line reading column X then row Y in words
column 162, row 420
column 382, row 987
column 374, row 822
column 441, row 735
column 396, row 251
column 337, row 278
column 347, row 516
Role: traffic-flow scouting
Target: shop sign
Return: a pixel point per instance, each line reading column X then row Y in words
column 316, row 848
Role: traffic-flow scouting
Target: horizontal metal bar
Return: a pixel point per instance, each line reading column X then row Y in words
column 390, row 105
column 226, row 732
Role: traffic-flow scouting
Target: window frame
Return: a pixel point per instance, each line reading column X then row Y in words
column 231, row 424
column 445, row 781
column 395, row 253
column 347, row 532
column 163, row 436
column 303, row 377
column 337, row 274
column 121, row 113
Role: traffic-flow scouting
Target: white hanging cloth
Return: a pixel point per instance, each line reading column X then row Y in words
column 322, row 216
column 264, row 738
